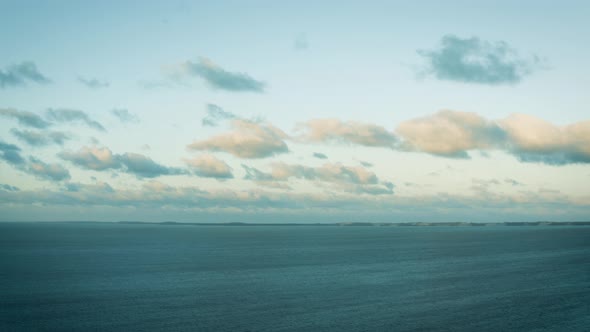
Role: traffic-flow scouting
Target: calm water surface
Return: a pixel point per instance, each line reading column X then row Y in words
column 85, row 277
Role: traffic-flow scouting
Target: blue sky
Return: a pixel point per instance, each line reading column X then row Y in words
column 223, row 111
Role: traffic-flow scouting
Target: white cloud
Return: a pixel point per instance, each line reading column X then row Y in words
column 248, row 139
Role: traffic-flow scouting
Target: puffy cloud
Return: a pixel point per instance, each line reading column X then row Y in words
column 11, row 154
column 93, row 83
column 20, row 74
column 535, row 140
column 53, row 172
column 334, row 130
column 99, row 159
column 530, row 139
column 71, row 115
column 350, row 178
column 319, row 155
column 40, row 138
column 145, row 167
column 248, row 139
column 209, row 166
column 219, row 78
column 125, row 116
column 93, row 158
column 473, row 60
column 25, row 118
column 215, row 114
column 450, row 133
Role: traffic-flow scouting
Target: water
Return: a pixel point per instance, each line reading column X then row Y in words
column 57, row 276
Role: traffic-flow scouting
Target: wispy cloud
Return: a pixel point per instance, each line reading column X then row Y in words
column 319, row 155
column 71, row 115
column 211, row 167
column 100, row 159
column 144, row 167
column 125, row 116
column 220, row 78
column 52, row 172
column 93, row 83
column 25, row 118
column 7, row 187
column 20, row 74
column 249, row 139
column 40, row 138
column 472, row 60
column 349, row 178
column 350, row 132
column 216, row 114
column 11, row 154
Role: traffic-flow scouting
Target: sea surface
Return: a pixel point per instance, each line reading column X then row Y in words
column 141, row 277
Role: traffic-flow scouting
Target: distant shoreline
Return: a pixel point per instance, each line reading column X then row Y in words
column 371, row 224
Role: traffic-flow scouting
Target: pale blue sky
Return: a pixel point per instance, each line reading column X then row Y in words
column 389, row 67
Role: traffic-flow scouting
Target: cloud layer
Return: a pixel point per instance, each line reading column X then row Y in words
column 472, row 60
column 349, row 178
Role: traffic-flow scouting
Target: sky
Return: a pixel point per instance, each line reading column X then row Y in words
column 269, row 111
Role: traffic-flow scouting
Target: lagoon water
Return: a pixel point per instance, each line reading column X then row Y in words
column 141, row 277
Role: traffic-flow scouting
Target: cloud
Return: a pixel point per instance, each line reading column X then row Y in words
column 453, row 133
column 301, row 43
column 221, row 79
column 20, row 74
column 100, row 159
column 71, row 115
column 450, row 134
column 366, row 163
column 11, row 154
column 93, row 83
column 93, row 158
column 248, row 139
column 350, row 178
column 25, row 118
column 534, row 140
column 210, row 167
column 40, row 138
column 215, row 114
column 472, row 60
column 7, row 187
column 144, row 167
column 52, row 172
column 351, row 132
column 125, row 116
column 319, row 155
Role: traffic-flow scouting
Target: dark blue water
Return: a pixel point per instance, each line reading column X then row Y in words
column 88, row 277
